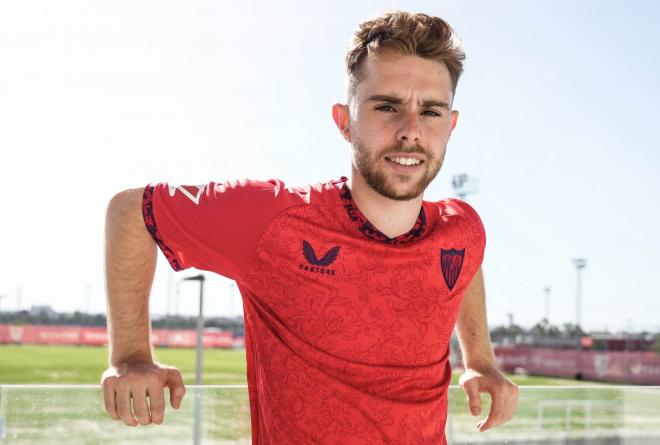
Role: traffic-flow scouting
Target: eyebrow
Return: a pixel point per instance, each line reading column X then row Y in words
column 399, row 101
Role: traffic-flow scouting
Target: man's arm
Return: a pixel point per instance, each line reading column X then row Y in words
column 130, row 263
column 481, row 375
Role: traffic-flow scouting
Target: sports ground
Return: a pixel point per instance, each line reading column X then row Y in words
column 29, row 364
column 35, row 415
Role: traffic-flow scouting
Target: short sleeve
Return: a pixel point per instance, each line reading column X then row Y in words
column 214, row 227
column 472, row 229
column 475, row 222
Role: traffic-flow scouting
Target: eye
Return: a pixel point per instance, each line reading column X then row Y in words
column 431, row 113
column 385, row 108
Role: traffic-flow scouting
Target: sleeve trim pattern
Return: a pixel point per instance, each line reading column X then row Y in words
column 150, row 223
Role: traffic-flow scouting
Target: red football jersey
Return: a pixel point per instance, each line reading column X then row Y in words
column 347, row 331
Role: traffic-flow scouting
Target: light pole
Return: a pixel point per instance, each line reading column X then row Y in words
column 169, row 292
column 178, row 294
column 547, row 290
column 580, row 263
column 198, row 365
column 200, row 327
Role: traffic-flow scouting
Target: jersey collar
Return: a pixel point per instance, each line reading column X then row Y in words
column 368, row 229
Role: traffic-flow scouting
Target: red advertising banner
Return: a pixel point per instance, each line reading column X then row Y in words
column 634, row 367
column 98, row 336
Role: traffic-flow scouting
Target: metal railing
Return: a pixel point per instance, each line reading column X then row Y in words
column 552, row 415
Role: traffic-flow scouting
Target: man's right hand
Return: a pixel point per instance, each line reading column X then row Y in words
column 141, row 382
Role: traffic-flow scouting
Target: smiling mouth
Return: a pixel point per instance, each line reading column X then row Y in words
column 405, row 162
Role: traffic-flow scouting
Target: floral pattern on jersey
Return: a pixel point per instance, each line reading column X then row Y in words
column 361, row 356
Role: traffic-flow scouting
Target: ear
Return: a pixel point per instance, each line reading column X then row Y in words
column 453, row 120
column 341, row 116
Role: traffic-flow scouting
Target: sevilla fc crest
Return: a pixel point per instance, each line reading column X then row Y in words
column 451, row 262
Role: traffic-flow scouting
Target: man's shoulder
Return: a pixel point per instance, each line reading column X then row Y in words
column 317, row 193
column 266, row 189
column 453, row 207
column 457, row 212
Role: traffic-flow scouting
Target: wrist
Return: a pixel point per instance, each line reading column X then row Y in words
column 482, row 365
column 133, row 358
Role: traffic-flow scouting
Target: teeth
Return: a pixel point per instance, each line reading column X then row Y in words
column 406, row 161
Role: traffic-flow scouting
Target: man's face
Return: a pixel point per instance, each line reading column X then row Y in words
column 400, row 123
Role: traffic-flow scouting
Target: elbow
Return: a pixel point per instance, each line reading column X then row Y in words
column 125, row 208
column 124, row 200
column 127, row 201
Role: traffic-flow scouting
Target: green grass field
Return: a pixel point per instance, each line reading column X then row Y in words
column 83, row 365
column 35, row 416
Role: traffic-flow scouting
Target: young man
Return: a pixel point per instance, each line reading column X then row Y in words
column 351, row 287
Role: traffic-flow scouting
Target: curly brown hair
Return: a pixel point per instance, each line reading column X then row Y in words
column 407, row 34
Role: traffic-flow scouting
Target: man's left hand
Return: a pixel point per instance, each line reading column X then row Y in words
column 503, row 393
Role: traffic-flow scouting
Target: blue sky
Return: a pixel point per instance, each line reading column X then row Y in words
column 559, row 106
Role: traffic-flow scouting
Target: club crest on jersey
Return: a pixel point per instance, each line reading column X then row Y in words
column 192, row 192
column 451, row 262
column 315, row 264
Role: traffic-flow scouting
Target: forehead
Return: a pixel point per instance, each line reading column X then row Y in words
column 404, row 75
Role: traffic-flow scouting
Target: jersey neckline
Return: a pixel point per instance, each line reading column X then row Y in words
column 364, row 226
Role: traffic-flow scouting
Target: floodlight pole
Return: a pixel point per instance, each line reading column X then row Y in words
column 580, row 263
column 547, row 290
column 200, row 327
column 178, row 294
column 198, row 365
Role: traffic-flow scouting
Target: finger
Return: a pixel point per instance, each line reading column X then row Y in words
column 140, row 407
column 177, row 389
column 471, row 389
column 109, row 401
column 156, row 404
column 124, row 412
column 510, row 404
column 514, row 399
column 497, row 413
column 504, row 407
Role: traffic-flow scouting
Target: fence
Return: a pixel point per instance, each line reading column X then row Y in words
column 595, row 415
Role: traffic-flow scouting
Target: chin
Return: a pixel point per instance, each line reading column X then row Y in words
column 405, row 196
column 402, row 193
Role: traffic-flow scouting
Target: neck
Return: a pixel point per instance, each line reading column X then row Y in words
column 391, row 217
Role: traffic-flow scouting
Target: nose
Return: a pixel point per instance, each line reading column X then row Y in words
column 409, row 130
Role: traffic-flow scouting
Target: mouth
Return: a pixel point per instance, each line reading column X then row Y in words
column 404, row 164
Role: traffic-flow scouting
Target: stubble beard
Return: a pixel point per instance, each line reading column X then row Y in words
column 387, row 184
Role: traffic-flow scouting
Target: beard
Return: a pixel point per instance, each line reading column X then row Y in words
column 392, row 185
